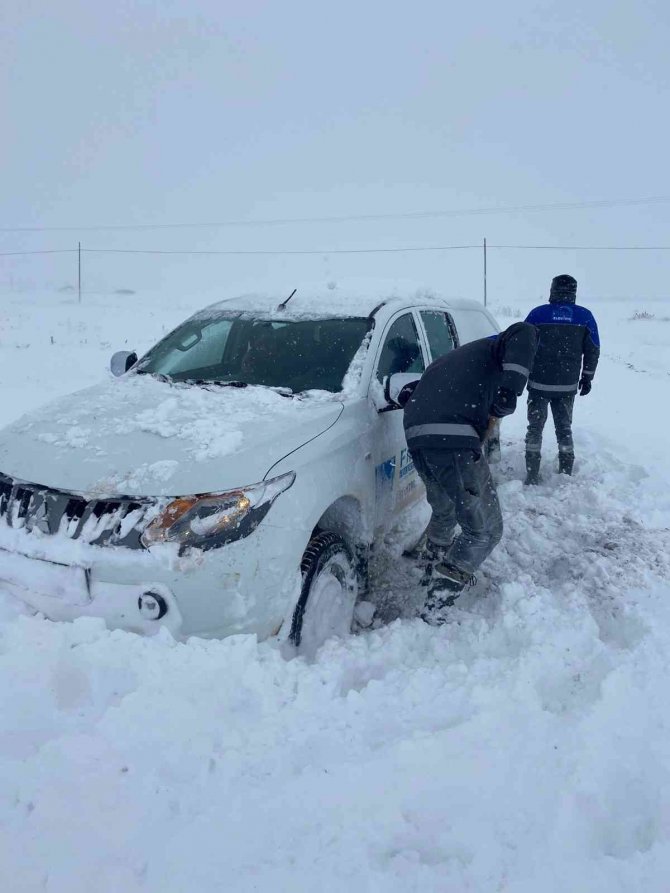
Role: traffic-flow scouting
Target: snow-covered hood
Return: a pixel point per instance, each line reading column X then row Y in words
column 141, row 437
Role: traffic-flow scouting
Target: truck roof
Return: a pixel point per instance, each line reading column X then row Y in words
column 334, row 299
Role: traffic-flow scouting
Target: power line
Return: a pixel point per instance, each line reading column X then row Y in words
column 411, row 215
column 325, row 251
column 49, row 251
column 583, row 247
column 272, row 252
column 382, row 250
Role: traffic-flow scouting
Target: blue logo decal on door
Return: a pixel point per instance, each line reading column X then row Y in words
column 384, row 474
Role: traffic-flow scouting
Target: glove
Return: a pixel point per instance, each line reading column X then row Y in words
column 504, row 403
column 584, row 386
column 406, row 392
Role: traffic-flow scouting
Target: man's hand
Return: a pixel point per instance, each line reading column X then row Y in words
column 504, row 403
column 584, row 386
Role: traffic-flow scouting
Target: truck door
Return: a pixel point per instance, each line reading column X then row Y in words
column 397, row 485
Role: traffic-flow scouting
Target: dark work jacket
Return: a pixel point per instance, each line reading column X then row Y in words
column 458, row 393
column 568, row 334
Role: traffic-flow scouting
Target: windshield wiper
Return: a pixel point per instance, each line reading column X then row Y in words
column 201, row 382
column 159, row 376
column 214, row 382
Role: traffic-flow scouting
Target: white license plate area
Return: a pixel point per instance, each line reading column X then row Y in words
column 65, row 582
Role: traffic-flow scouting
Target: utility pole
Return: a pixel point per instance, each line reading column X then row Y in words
column 79, row 271
column 485, row 272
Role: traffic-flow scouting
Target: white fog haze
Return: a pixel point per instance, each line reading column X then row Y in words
column 155, row 114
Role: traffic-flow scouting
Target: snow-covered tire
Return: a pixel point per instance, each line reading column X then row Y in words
column 330, row 587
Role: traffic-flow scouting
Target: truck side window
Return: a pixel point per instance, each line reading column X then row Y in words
column 401, row 351
column 473, row 324
column 439, row 332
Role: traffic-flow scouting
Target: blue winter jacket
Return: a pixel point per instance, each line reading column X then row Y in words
column 568, row 338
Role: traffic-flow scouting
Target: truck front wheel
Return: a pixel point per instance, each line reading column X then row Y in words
column 330, row 587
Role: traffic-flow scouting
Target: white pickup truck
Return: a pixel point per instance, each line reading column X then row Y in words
column 233, row 479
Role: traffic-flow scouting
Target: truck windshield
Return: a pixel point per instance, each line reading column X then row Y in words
column 300, row 355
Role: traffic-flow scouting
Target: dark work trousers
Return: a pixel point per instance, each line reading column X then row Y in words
column 459, row 488
column 561, row 410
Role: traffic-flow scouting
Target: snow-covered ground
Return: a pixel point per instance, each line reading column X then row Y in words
column 524, row 747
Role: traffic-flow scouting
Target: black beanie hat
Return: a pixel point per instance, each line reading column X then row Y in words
column 563, row 290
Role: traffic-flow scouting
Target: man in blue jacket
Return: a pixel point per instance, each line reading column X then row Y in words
column 565, row 362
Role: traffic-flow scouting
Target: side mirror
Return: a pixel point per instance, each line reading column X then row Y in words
column 122, row 361
column 398, row 388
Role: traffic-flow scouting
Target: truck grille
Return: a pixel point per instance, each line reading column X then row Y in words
column 100, row 522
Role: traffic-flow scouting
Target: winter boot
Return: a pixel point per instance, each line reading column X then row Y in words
column 566, row 463
column 446, row 585
column 533, row 468
column 426, row 552
column 425, row 555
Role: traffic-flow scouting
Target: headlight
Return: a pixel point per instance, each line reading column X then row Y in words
column 215, row 519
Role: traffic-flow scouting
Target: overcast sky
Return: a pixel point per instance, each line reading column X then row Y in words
column 169, row 112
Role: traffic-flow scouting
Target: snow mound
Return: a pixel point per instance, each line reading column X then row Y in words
column 140, row 436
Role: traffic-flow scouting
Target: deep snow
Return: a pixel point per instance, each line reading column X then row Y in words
column 524, row 747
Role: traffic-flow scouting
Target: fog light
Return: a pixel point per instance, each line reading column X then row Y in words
column 152, row 606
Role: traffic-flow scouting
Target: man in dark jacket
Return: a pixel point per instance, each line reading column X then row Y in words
column 446, row 420
column 569, row 342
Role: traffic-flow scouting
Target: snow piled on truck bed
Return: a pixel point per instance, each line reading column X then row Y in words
column 524, row 747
